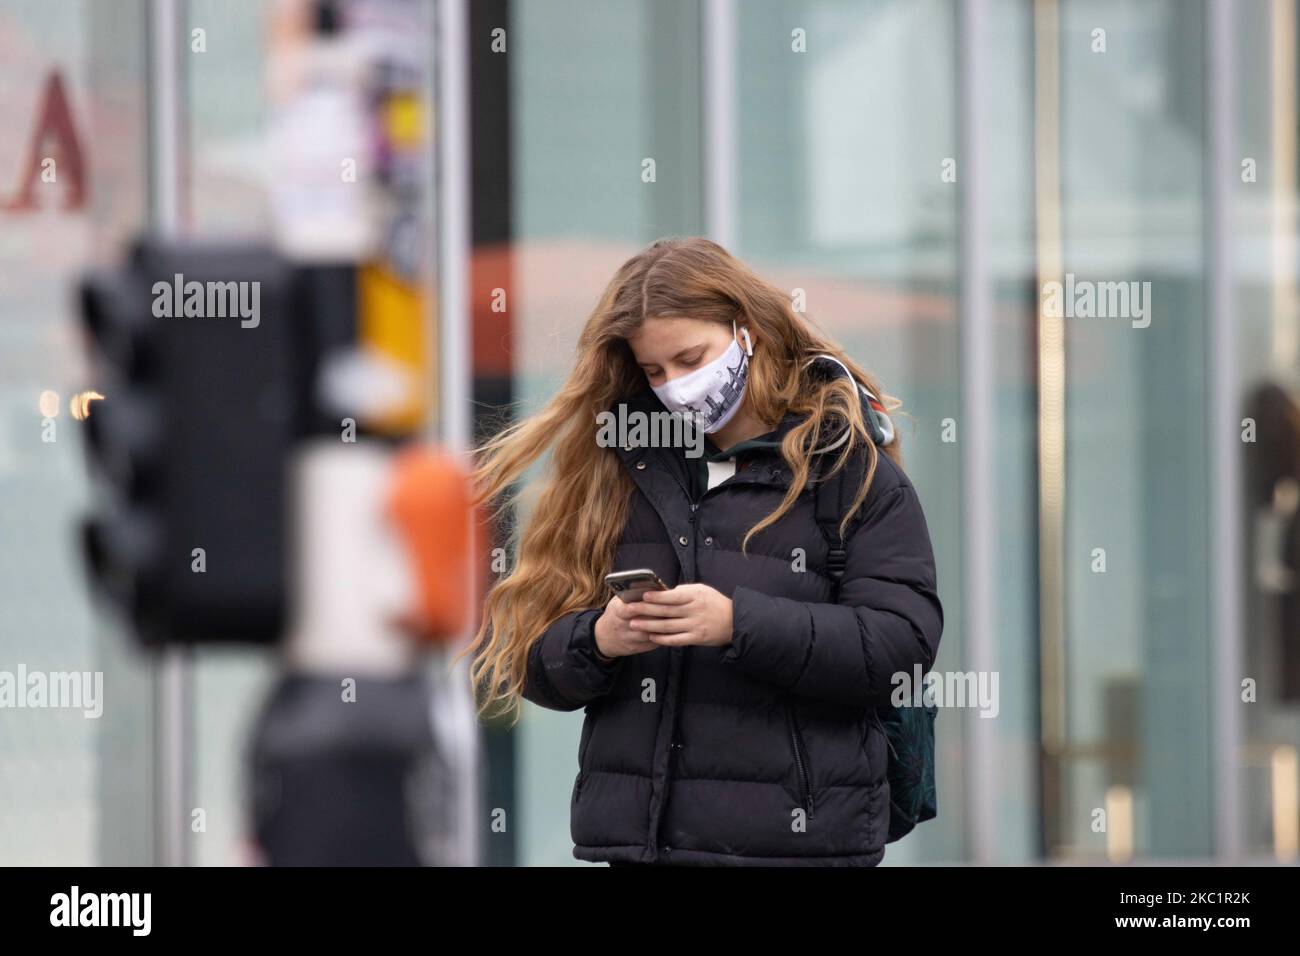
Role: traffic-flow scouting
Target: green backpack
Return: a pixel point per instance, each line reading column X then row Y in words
column 909, row 731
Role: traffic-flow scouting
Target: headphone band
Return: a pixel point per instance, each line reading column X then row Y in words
column 879, row 423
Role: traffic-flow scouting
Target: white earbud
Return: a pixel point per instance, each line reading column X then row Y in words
column 749, row 346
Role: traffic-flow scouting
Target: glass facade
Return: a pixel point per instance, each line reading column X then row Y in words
column 72, row 77
column 843, row 187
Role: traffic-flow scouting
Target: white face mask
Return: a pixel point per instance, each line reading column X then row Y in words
column 712, row 393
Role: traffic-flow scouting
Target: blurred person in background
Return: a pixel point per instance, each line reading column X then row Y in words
column 730, row 719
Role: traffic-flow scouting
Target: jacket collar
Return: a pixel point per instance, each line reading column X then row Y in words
column 764, row 464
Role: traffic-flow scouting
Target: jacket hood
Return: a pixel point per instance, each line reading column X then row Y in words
column 879, row 424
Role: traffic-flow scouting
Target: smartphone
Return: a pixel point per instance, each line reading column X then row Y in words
column 631, row 585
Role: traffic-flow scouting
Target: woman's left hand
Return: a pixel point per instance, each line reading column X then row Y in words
column 686, row 614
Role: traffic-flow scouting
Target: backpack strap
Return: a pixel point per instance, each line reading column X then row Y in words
column 831, row 497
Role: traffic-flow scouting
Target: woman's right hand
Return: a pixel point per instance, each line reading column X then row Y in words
column 614, row 637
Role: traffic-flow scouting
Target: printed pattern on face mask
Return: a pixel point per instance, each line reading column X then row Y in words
column 712, row 394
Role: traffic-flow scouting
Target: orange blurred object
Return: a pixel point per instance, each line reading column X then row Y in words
column 429, row 505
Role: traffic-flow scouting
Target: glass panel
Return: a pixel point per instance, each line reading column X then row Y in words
column 1132, row 307
column 72, row 187
column 1268, row 326
column 226, row 94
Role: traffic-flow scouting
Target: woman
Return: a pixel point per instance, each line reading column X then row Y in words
column 729, row 719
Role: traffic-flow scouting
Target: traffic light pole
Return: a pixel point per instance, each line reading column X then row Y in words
column 173, row 712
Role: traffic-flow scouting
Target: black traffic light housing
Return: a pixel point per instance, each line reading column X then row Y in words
column 192, row 439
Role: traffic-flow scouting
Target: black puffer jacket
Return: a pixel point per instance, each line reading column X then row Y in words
column 764, row 752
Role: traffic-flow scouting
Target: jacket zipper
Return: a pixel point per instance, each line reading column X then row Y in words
column 799, row 761
column 672, row 744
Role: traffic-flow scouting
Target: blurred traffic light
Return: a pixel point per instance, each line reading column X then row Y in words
column 192, row 347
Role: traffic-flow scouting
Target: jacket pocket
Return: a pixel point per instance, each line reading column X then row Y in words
column 800, row 754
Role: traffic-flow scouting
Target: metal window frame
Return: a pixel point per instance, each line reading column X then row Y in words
column 172, row 674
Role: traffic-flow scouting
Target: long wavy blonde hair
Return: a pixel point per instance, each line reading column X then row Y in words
column 568, row 542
